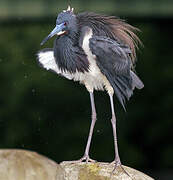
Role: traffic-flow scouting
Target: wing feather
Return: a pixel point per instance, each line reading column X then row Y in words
column 114, row 61
column 47, row 60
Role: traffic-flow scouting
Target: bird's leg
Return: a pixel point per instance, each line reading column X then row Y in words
column 117, row 161
column 86, row 154
column 113, row 121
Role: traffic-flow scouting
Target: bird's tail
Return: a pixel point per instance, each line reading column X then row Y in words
column 136, row 82
column 124, row 86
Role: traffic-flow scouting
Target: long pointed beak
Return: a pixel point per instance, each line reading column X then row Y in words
column 57, row 30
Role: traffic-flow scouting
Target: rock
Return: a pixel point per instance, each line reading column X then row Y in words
column 101, row 171
column 27, row 165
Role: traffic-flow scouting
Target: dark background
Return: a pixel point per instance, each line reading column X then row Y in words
column 42, row 112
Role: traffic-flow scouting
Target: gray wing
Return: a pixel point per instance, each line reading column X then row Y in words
column 114, row 61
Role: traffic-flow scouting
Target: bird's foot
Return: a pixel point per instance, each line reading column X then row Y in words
column 85, row 158
column 117, row 164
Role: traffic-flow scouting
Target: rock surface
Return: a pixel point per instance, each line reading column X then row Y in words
column 101, row 171
column 26, row 165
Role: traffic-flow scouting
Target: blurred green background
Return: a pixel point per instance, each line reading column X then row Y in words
column 42, row 112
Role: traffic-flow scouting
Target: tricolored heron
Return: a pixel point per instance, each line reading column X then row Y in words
column 99, row 52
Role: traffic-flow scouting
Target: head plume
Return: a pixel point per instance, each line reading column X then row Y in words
column 69, row 9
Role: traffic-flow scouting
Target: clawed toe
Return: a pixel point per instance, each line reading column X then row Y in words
column 117, row 164
column 85, row 158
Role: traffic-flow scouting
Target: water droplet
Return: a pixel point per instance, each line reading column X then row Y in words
column 23, row 145
column 23, row 63
column 25, row 76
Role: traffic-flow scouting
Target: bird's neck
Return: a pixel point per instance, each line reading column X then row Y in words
column 69, row 56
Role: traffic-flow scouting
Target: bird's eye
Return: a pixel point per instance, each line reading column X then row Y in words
column 65, row 23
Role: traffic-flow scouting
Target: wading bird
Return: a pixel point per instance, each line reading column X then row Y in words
column 99, row 52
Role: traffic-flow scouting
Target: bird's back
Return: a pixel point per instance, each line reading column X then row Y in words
column 112, row 27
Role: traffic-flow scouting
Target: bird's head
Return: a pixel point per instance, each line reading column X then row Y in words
column 65, row 24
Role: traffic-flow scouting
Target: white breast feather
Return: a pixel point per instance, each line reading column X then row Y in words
column 93, row 78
